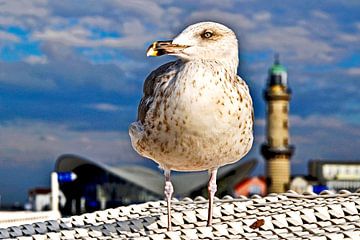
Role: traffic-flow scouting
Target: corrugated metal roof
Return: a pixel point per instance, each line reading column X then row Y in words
column 276, row 216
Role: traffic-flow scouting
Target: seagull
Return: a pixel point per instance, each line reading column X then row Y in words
column 196, row 114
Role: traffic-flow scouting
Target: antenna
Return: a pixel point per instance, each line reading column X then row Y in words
column 276, row 58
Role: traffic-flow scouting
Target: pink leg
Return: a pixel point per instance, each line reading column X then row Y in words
column 212, row 188
column 169, row 190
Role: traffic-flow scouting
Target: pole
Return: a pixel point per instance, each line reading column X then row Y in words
column 54, row 192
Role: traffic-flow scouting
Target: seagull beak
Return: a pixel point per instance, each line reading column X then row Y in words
column 160, row 48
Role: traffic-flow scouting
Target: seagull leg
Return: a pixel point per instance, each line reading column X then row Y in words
column 212, row 188
column 169, row 190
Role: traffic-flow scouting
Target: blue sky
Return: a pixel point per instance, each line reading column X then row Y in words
column 71, row 75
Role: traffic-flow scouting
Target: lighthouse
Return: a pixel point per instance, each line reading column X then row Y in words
column 277, row 150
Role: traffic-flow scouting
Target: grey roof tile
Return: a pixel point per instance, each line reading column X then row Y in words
column 4, row 234
column 285, row 216
column 15, row 232
column 28, row 229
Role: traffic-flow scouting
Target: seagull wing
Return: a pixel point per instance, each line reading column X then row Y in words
column 243, row 87
column 152, row 84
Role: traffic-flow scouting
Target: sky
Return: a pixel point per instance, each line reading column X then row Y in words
column 71, row 75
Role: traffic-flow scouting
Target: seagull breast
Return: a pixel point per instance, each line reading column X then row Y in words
column 196, row 113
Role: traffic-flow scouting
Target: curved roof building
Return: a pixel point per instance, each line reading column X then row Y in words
column 99, row 186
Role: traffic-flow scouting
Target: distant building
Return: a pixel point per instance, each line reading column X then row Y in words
column 277, row 150
column 251, row 186
column 336, row 175
column 99, row 186
column 302, row 184
column 40, row 199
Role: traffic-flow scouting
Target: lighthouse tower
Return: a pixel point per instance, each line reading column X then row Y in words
column 276, row 150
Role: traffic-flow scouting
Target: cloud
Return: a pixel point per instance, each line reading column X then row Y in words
column 105, row 107
column 262, row 16
column 60, row 67
column 134, row 35
column 295, row 42
column 30, row 77
column 5, row 36
column 97, row 48
column 315, row 137
column 97, row 21
column 353, row 71
column 34, row 59
column 348, row 37
column 320, row 14
column 32, row 142
column 325, row 137
column 35, row 8
column 237, row 20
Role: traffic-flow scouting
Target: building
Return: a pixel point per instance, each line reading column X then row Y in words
column 40, row 198
column 251, row 186
column 335, row 175
column 302, row 184
column 99, row 186
column 277, row 150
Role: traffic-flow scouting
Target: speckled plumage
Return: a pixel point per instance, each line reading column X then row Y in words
column 196, row 113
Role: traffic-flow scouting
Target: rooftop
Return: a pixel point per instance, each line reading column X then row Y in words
column 276, row 216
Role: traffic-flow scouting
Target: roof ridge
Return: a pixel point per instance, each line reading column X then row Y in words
column 282, row 215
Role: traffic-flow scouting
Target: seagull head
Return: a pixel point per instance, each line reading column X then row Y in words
column 201, row 41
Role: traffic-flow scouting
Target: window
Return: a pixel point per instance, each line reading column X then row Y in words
column 285, row 124
column 285, row 109
column 270, row 109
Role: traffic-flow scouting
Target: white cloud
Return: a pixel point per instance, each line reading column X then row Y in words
column 320, row 14
column 357, row 25
column 105, row 107
column 232, row 19
column 262, row 16
column 351, row 38
column 355, row 71
column 133, row 35
column 150, row 10
column 76, row 36
column 36, row 8
column 317, row 136
column 315, row 121
column 5, row 36
column 34, row 59
column 31, row 142
column 97, row 21
column 296, row 42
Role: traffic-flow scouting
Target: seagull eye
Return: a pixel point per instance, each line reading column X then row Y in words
column 207, row 34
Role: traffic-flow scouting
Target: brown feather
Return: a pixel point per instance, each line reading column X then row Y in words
column 151, row 84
